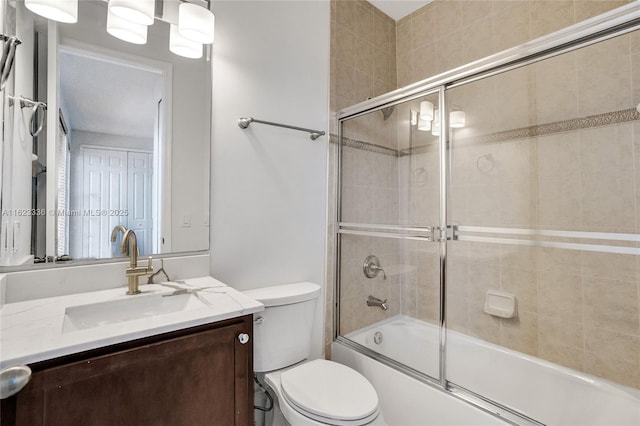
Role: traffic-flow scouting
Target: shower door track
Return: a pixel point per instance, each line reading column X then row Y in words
column 614, row 23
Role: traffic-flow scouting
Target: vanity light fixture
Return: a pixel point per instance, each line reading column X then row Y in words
column 426, row 110
column 457, row 119
column 414, row 118
column 182, row 46
column 196, row 23
column 137, row 11
column 126, row 30
column 57, row 10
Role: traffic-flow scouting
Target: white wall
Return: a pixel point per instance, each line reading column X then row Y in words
column 271, row 62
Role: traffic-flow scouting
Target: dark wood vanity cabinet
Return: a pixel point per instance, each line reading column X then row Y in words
column 198, row 376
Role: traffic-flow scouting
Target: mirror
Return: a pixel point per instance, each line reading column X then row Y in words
column 99, row 132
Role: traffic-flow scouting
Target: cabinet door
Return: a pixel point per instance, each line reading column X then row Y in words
column 198, row 379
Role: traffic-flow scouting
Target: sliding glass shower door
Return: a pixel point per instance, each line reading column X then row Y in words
column 489, row 234
column 389, row 257
column 542, row 287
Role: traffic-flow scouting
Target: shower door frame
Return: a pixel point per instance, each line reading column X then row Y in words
column 600, row 28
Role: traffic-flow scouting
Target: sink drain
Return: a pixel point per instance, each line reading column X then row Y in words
column 377, row 337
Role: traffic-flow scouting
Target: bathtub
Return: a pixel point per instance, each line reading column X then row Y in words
column 546, row 392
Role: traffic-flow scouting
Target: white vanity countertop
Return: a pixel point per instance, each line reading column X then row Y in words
column 32, row 331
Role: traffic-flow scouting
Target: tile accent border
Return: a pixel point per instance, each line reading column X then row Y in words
column 365, row 146
column 598, row 120
column 591, row 121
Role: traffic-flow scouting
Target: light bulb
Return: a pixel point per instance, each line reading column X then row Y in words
column 137, row 11
column 183, row 46
column 424, row 124
column 414, row 117
column 196, row 23
column 57, row 10
column 126, row 30
column 426, row 110
column 457, row 119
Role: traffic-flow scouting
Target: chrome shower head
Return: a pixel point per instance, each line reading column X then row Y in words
column 386, row 112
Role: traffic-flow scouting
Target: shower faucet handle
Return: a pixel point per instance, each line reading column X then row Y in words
column 371, row 267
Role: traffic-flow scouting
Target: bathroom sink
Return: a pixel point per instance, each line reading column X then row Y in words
column 92, row 315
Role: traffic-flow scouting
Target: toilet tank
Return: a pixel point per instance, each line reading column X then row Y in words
column 282, row 332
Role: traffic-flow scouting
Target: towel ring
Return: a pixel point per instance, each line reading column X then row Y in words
column 34, row 116
column 35, row 124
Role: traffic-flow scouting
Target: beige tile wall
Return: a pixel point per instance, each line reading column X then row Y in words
column 573, row 307
column 363, row 53
column 354, row 312
column 579, row 309
column 448, row 33
column 370, row 194
column 363, row 65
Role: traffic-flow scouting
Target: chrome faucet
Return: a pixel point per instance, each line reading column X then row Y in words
column 374, row 301
column 129, row 246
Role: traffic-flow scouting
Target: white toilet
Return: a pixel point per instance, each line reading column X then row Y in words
column 317, row 392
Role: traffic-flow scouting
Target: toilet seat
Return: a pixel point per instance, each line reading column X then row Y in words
column 330, row 393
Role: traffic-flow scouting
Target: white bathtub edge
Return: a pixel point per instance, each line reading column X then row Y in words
column 409, row 402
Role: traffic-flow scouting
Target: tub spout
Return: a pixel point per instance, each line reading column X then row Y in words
column 374, row 301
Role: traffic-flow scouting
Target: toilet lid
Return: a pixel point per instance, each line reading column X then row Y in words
column 330, row 392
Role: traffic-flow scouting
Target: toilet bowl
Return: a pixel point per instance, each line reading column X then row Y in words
column 308, row 392
column 322, row 392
